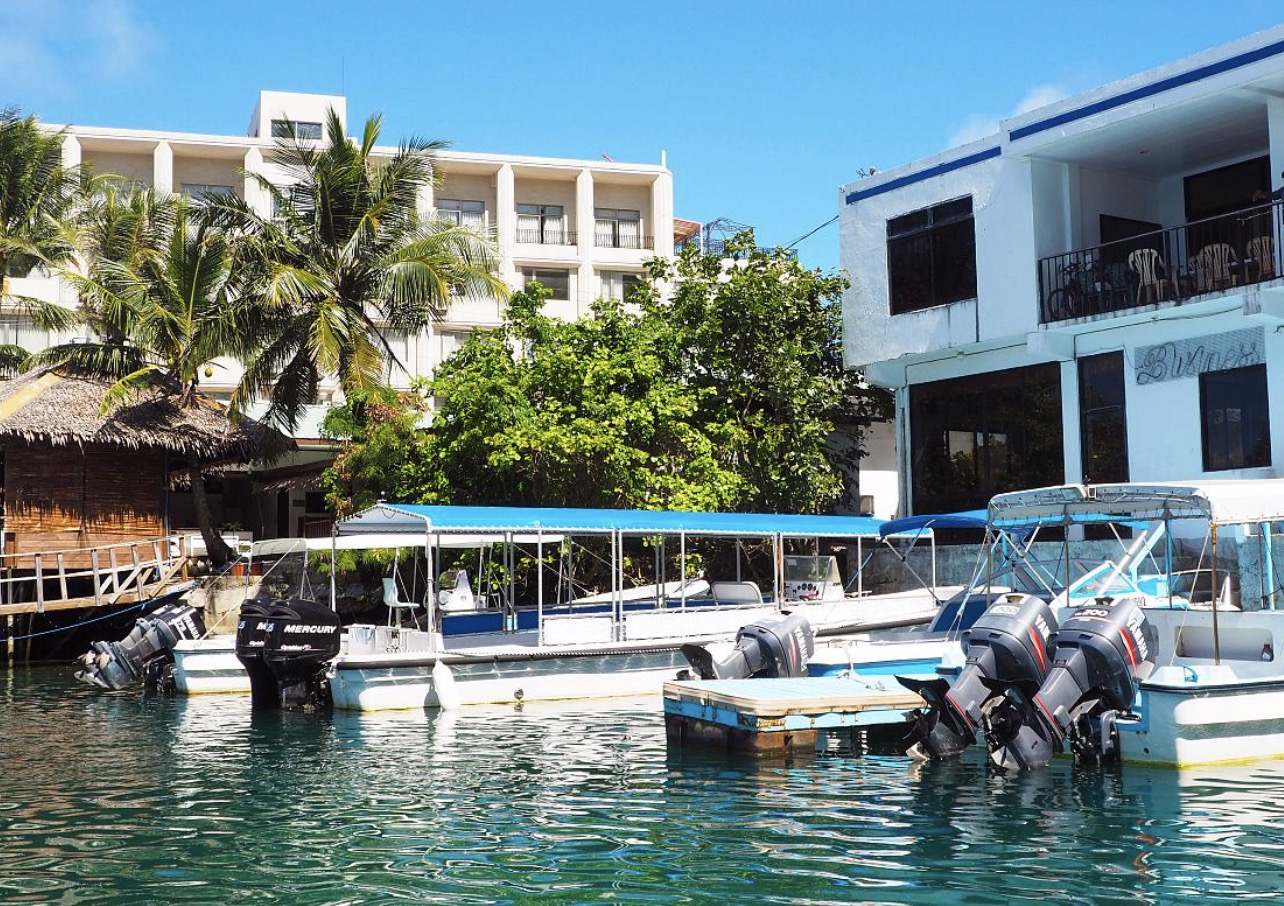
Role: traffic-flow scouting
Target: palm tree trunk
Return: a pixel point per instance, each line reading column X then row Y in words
column 215, row 546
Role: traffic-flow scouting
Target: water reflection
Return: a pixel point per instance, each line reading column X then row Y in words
column 120, row 798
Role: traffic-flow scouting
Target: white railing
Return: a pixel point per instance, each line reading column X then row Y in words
column 88, row 577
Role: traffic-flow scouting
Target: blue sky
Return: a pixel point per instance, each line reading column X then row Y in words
column 764, row 109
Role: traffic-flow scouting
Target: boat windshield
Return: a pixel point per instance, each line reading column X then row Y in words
column 1105, row 580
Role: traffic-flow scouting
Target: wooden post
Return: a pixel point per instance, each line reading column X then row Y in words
column 98, row 580
column 40, row 586
column 62, row 577
column 182, row 552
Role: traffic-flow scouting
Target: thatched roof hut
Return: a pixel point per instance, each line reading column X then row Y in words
column 58, row 409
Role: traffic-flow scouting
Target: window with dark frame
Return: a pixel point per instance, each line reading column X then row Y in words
column 1102, row 418
column 931, row 256
column 1235, row 418
column 462, row 212
column 296, row 129
column 544, row 224
column 558, row 281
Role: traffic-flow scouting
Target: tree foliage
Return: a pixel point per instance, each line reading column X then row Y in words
column 718, row 385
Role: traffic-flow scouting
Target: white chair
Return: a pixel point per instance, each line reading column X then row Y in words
column 396, row 606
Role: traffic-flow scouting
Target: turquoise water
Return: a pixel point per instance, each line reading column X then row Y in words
column 118, row 798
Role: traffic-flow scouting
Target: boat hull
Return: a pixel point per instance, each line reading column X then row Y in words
column 209, row 666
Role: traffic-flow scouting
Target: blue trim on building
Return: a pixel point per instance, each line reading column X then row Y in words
column 911, row 178
column 1145, row 91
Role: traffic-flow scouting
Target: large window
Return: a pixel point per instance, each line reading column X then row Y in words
column 1236, row 421
column 470, row 214
column 617, row 229
column 200, row 192
column 931, row 256
column 542, row 223
column 295, row 129
column 619, row 284
column 976, row 436
column 558, row 281
column 1102, row 423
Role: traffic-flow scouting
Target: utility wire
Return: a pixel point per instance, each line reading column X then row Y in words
column 808, row 235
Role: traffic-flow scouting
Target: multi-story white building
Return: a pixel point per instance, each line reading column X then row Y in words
column 582, row 228
column 1092, row 294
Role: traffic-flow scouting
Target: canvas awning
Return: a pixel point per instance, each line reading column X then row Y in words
column 1219, row 502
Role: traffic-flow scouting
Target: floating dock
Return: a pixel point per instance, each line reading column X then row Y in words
column 776, row 716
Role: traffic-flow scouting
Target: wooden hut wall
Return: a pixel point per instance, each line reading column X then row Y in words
column 65, row 496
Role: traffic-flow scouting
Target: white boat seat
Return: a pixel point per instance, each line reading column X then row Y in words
column 460, row 598
column 736, row 592
column 395, row 605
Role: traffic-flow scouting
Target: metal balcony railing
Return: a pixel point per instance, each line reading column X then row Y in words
column 548, row 237
column 1194, row 259
column 605, row 240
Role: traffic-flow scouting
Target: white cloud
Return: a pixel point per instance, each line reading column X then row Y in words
column 50, row 47
column 983, row 125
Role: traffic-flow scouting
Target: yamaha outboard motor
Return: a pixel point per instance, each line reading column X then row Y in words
column 1007, row 642
column 303, row 637
column 772, row 648
column 251, row 639
column 149, row 645
column 1098, row 656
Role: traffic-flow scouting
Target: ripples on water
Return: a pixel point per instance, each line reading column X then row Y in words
column 117, row 798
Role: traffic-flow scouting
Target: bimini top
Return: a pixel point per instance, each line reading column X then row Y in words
column 972, row 519
column 1219, row 502
column 420, row 519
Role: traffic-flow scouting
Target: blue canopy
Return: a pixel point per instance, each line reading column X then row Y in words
column 972, row 519
column 418, row 518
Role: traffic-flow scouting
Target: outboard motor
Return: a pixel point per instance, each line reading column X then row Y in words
column 772, row 648
column 1008, row 642
column 251, row 640
column 1098, row 656
column 149, row 645
column 302, row 638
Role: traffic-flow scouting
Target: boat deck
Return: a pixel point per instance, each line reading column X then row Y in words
column 776, row 716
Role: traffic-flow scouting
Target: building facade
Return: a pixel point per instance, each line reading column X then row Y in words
column 582, row 228
column 1093, row 294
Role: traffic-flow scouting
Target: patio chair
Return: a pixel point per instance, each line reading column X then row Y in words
column 1263, row 250
column 396, row 606
column 1151, row 272
column 1220, row 264
column 1198, row 276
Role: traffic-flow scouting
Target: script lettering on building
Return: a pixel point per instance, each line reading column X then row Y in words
column 1197, row 355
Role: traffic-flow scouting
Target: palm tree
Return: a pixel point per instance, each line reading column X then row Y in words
column 156, row 294
column 343, row 257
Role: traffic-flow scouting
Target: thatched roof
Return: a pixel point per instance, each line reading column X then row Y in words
column 48, row 407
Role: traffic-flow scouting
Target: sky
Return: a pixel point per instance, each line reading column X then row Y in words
column 761, row 109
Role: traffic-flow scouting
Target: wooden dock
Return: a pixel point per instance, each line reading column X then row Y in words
column 775, row 716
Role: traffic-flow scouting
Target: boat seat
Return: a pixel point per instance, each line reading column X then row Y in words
column 395, row 605
column 736, row 593
column 460, row 598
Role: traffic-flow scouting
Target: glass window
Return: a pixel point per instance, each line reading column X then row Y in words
column 931, row 256
column 295, row 129
column 462, row 213
column 976, row 436
column 1236, row 418
column 618, row 229
column 397, row 367
column 1102, row 418
column 619, row 284
column 558, row 281
column 542, row 223
column 199, row 191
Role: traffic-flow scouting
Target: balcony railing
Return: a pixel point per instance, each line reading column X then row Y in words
column 548, row 237
column 611, row 241
column 1178, row 263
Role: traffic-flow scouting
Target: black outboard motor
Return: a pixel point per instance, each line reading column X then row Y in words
column 1008, row 642
column 302, row 638
column 251, row 640
column 772, row 648
column 1098, row 656
column 149, row 645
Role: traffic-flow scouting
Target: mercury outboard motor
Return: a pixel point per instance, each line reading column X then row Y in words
column 772, row 648
column 150, row 644
column 302, row 638
column 251, row 639
column 1099, row 654
column 1008, row 642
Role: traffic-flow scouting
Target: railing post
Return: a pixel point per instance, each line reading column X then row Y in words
column 62, row 577
column 40, row 586
column 98, row 588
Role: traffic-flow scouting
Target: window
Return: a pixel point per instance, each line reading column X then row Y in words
column 977, row 436
column 931, row 256
column 556, row 280
column 1102, row 422
column 619, row 284
column 199, row 191
column 300, row 199
column 295, row 129
column 22, row 331
column 462, row 213
column 1236, row 421
column 542, row 223
column 617, row 229
column 451, row 341
column 397, row 367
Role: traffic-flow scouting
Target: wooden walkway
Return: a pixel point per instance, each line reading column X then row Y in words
column 776, row 716
column 91, row 577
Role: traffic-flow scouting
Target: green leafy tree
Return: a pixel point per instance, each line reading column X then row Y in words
column 343, row 257
column 383, row 449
